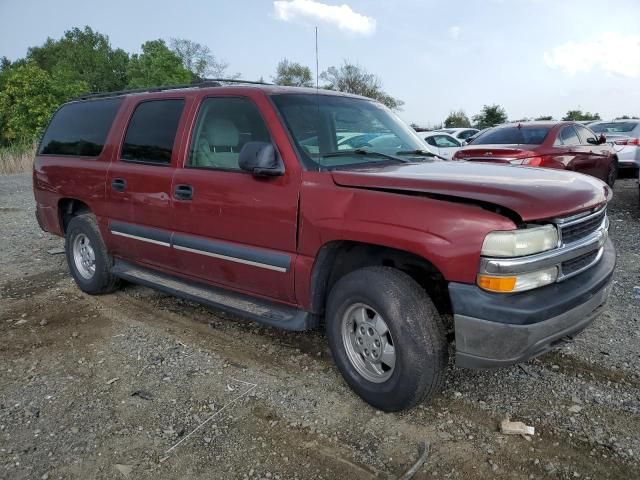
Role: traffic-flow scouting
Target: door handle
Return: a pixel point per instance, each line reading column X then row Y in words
column 183, row 192
column 119, row 184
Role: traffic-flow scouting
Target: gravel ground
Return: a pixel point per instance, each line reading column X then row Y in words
column 114, row 386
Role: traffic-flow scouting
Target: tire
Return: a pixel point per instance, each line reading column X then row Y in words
column 415, row 331
column 612, row 173
column 90, row 266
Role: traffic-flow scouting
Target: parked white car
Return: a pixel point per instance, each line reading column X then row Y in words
column 625, row 137
column 441, row 143
column 461, row 134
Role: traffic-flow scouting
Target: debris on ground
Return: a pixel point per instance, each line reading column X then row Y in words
column 142, row 394
column 516, row 428
column 424, row 453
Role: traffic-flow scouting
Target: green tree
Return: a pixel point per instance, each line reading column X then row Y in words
column 578, row 115
column 28, row 98
column 156, row 65
column 352, row 78
column 199, row 60
column 544, row 117
column 490, row 116
column 457, row 119
column 292, row 74
column 83, row 56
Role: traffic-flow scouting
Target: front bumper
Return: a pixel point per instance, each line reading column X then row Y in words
column 495, row 330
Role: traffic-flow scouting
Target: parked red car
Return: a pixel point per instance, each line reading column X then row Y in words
column 564, row 145
column 247, row 199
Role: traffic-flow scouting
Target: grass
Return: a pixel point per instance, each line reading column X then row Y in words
column 17, row 158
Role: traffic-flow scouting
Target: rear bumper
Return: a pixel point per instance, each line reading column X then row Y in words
column 495, row 330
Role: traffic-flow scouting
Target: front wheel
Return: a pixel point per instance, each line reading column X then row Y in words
column 386, row 337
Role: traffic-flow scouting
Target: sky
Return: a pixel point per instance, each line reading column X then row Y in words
column 533, row 57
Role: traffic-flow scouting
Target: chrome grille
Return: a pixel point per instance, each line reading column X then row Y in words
column 579, row 263
column 578, row 229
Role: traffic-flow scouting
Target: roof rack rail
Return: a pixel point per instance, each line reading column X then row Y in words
column 204, row 83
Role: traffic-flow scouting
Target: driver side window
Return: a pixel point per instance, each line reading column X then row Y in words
column 224, row 125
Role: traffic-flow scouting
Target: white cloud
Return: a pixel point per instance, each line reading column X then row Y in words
column 613, row 53
column 454, row 32
column 341, row 16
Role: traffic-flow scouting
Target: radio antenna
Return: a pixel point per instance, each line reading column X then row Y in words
column 317, row 84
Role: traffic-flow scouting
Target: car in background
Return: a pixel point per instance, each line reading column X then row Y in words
column 625, row 138
column 461, row 134
column 476, row 135
column 563, row 145
column 441, row 143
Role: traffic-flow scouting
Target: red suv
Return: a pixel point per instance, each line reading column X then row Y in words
column 564, row 145
column 251, row 199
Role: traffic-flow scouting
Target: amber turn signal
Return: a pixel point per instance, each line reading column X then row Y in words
column 497, row 284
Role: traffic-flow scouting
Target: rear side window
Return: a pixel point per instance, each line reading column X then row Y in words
column 513, row 135
column 568, row 136
column 152, row 131
column 80, row 129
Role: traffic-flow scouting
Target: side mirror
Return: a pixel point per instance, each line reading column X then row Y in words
column 261, row 159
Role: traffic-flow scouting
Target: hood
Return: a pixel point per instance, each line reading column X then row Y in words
column 532, row 193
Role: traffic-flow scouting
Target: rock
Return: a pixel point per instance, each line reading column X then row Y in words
column 75, row 430
column 22, row 321
column 516, row 428
column 575, row 408
column 113, row 380
column 124, row 469
column 142, row 394
column 43, row 322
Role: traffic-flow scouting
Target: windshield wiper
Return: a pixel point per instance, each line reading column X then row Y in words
column 363, row 152
column 420, row 153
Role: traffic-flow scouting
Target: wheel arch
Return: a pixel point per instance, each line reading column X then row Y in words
column 69, row 208
column 340, row 257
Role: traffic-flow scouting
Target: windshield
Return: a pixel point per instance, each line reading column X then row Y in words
column 614, row 127
column 322, row 125
column 513, row 135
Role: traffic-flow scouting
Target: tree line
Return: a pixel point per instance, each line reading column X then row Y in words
column 492, row 115
column 83, row 61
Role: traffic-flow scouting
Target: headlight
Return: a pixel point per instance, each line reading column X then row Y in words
column 518, row 243
column 518, row 283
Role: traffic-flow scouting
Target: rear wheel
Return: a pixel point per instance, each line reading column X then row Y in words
column 386, row 337
column 87, row 257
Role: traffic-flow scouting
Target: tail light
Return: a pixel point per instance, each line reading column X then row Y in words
column 628, row 141
column 536, row 161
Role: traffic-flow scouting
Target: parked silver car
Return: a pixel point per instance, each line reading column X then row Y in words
column 625, row 137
